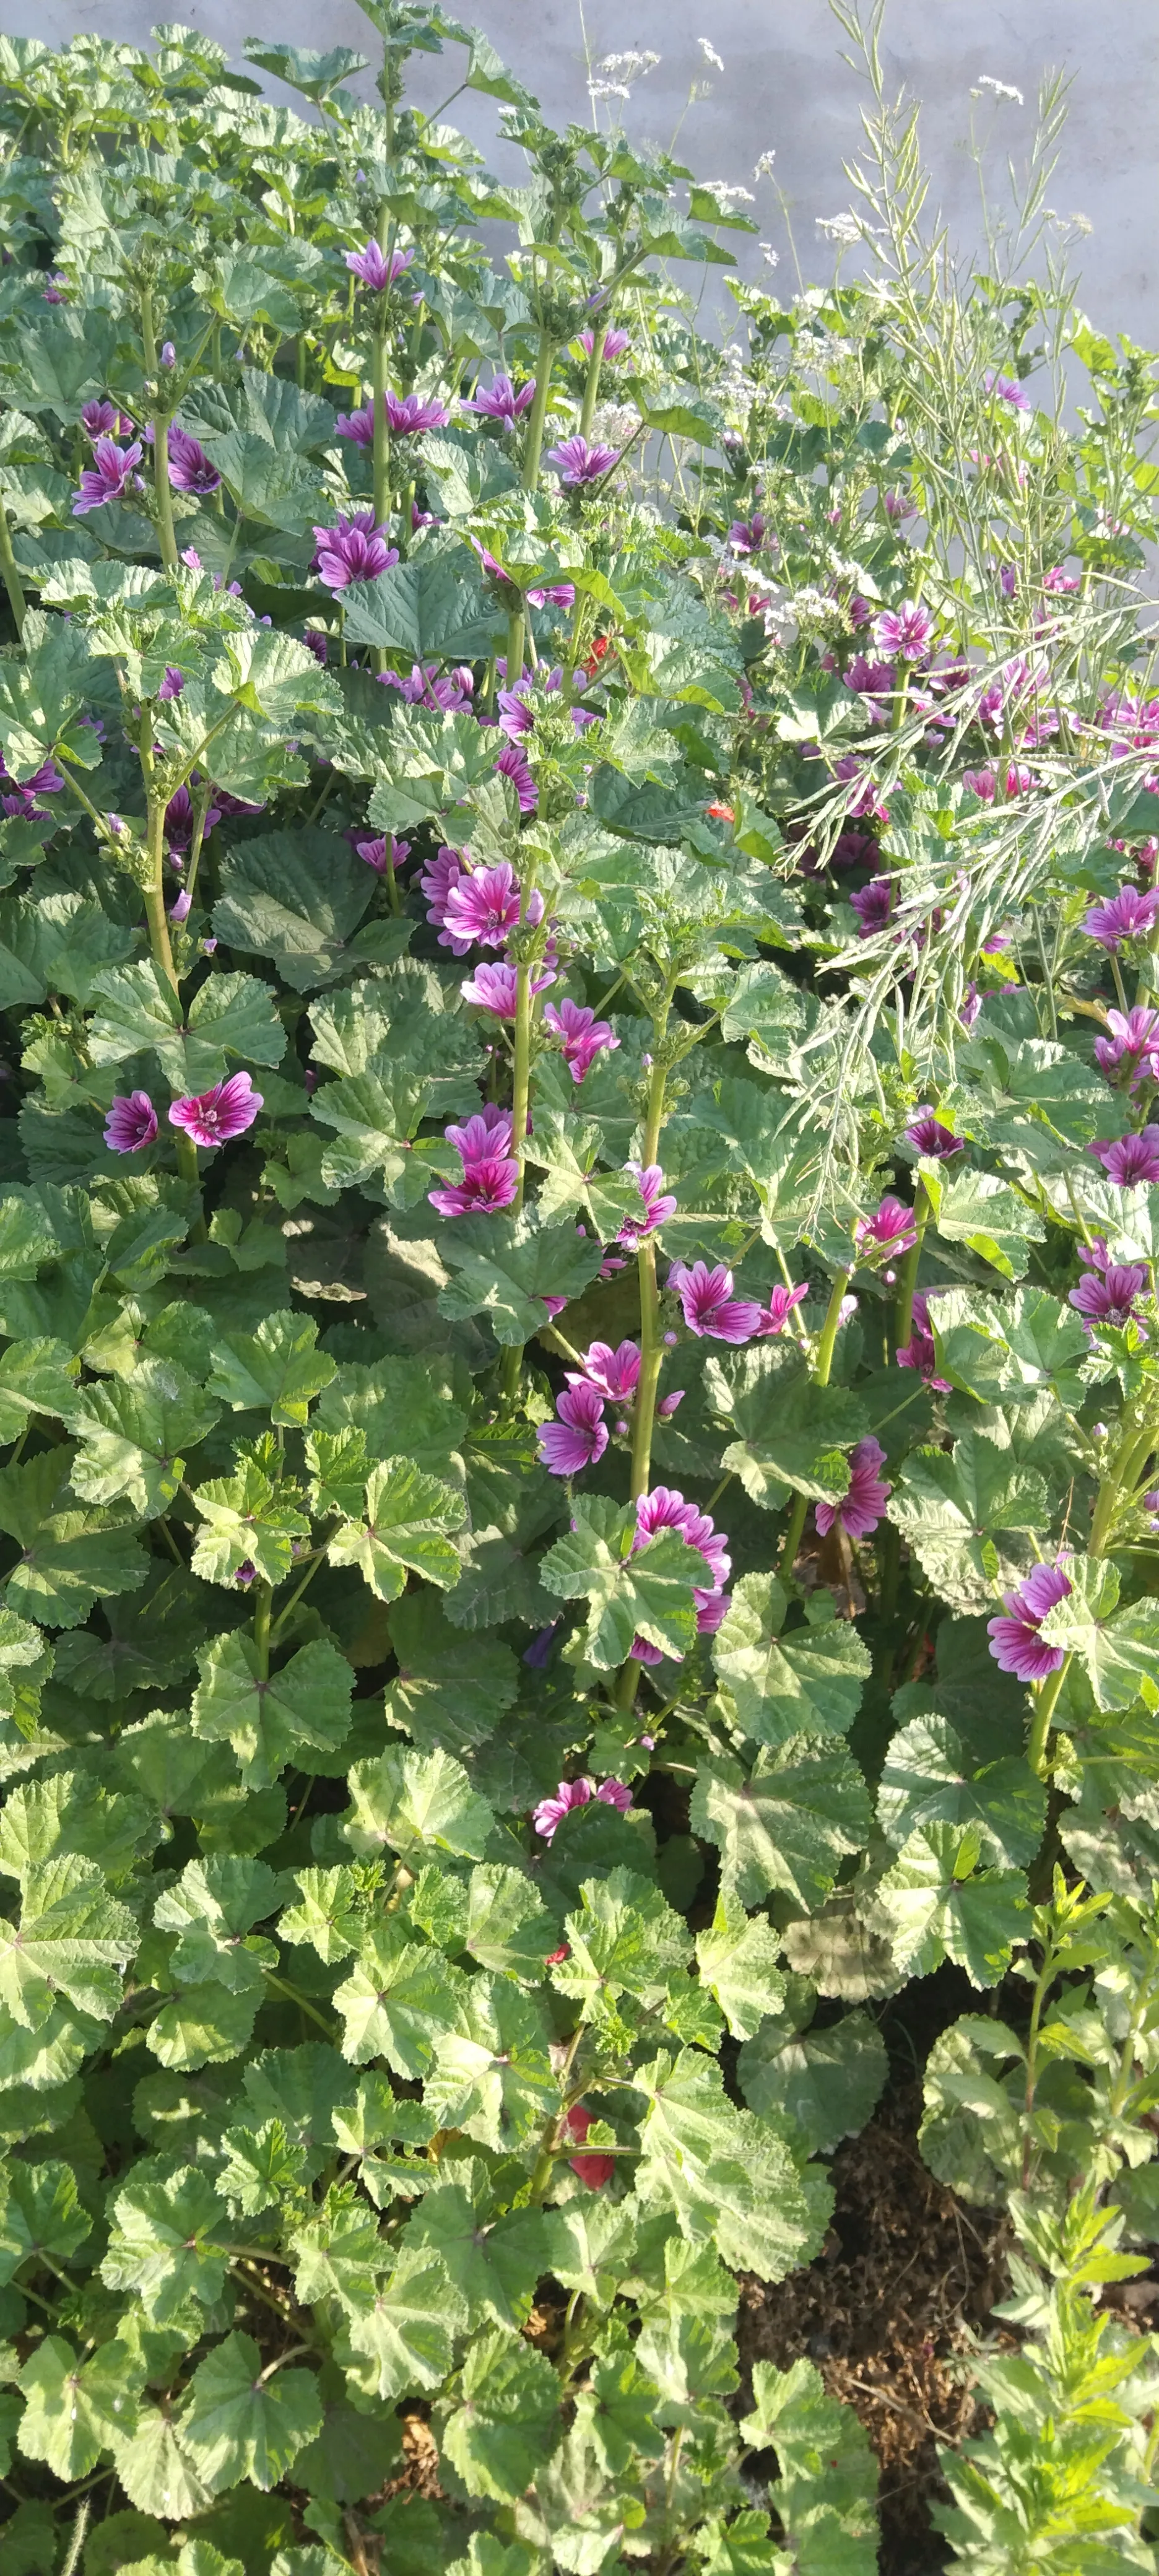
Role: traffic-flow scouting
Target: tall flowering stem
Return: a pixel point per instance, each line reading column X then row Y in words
column 907, row 1284
column 164, row 497
column 520, row 1100
column 825, row 1349
column 155, row 915
column 9, row 574
column 651, row 1340
column 592, row 382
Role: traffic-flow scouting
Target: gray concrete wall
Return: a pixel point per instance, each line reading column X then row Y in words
column 784, row 86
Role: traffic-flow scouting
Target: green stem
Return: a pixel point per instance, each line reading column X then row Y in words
column 281, row 1987
column 909, row 1272
column 516, row 629
column 651, row 1341
column 263, row 1598
column 825, row 1349
column 159, row 943
column 520, row 1094
column 11, row 578
column 1044, row 1708
column 592, row 384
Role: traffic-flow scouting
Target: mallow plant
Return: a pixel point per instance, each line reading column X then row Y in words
column 580, row 1188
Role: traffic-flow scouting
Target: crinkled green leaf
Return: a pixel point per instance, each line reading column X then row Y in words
column 773, row 1685
column 271, row 1720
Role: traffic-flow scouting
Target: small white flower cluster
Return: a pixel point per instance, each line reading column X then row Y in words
column 710, row 53
column 840, row 228
column 1080, row 224
column 613, row 424
column 771, row 257
column 997, row 89
column 813, row 607
column 618, row 71
column 728, row 196
column 764, row 168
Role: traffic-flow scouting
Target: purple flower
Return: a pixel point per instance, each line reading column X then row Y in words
column 422, row 687
column 615, row 1372
column 189, row 466
column 890, row 1229
column 554, row 594
column 547, row 1817
column 1132, row 1159
column 1007, row 389
column 172, row 684
column 655, row 1209
column 515, row 716
column 873, row 905
column 512, row 765
column 1108, row 1296
column 576, row 463
column 487, row 1132
column 1128, row 915
column 1132, row 1046
column 1015, row 1641
column 919, row 1353
column 485, row 907
column 179, row 819
column 931, row 1137
column 665, row 1508
column 580, row 1034
column 616, row 343
column 1057, row 578
column 485, row 1188
column 214, row 1117
column 874, row 682
column 861, row 1507
column 131, row 1123
column 898, row 506
column 358, row 426
column 580, row 1435
column 775, row 1316
column 501, row 402
column 245, row 1572
column 108, row 477
column 168, row 354
column 747, row 536
column 181, row 909
column 408, row 414
column 356, row 550
column 105, row 420
column 983, row 783
column 906, row 631
column 375, row 269
column 317, row 643
column 709, row 1305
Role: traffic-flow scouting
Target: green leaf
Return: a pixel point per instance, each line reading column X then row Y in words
column 41, row 2215
column 504, row 1267
column 314, row 74
column 298, row 898
column 792, row 1432
column 338, row 2252
column 928, row 1779
column 507, row 2422
column 773, row 1686
column 399, row 1997
column 137, row 1011
column 415, row 1804
column 492, row 2075
column 508, row 1927
column 70, row 1559
column 403, row 2339
column 971, row 2134
column 72, row 1939
column 239, row 2423
column 329, row 1916
column 277, row 1368
column 272, row 1720
column 990, row 1218
column 262, row 2169
column 1118, row 1648
column 75, row 2409
column 155, row 2469
column 404, row 1408
column 245, row 1520
column 436, row 608
column 787, row 1823
column 956, row 1510
column 737, row 1957
column 826, row 2084
column 56, row 944
column 451, row 1690
column 1005, row 1353
column 132, row 1433
column 35, row 1377
column 161, row 2242
column 212, row 1908
column 495, row 2260
column 204, row 2024
column 934, row 1904
column 649, row 1592
column 728, row 2178
column 403, row 1528
column 826, row 2492
column 623, row 1940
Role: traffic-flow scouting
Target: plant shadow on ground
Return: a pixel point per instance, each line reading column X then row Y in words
column 905, row 2283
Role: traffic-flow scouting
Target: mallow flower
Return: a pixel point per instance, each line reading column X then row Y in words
column 1127, row 915
column 615, row 1372
column 1016, row 1642
column 190, row 469
column 709, row 1305
column 214, row 1117
column 109, row 476
column 1108, row 1296
column 131, row 1123
column 484, row 906
column 580, row 1434
column 861, row 1507
column 408, row 415
column 548, row 1816
column 355, row 550
column 904, row 633
column 1132, row 1047
column 485, row 1188
column 656, row 1206
column 499, row 401
column 576, row 463
column 377, row 268
column 1132, row 1161
column 581, row 1036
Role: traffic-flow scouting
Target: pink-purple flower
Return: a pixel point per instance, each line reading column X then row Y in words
column 1127, row 915
column 499, row 401
column 376, row 268
column 1132, row 1048
column 377, row 853
column 357, row 426
column 615, row 1372
column 486, row 1133
column 920, row 1352
column 553, row 594
column 655, row 1206
column 576, row 463
column 891, row 1229
column 189, row 467
column 105, row 420
column 485, row 1188
column 747, row 536
column 1107, row 1296
column 616, row 343
column 408, row 414
column 1016, row 1641
column 861, row 1507
column 549, row 1815
column 709, row 1305
column 580, row 1435
column 665, row 1508
column 485, row 907
column 494, row 989
column 1131, row 1160
column 214, row 1117
column 931, row 1136
column 131, row 1123
column 355, row 550
column 873, row 905
column 782, row 1300
column 172, row 684
column 580, row 1034
column 108, row 477
column 906, row 632
column 512, row 765
column 1007, row 389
